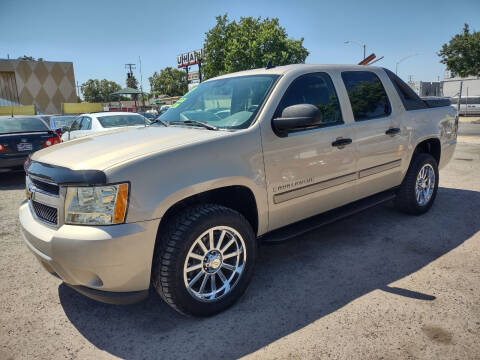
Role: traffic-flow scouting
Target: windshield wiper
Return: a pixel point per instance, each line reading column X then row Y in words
column 163, row 122
column 195, row 122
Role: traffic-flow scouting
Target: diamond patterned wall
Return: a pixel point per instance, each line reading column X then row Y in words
column 46, row 84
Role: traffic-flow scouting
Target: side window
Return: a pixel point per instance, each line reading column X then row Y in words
column 316, row 89
column 76, row 124
column 409, row 98
column 86, row 123
column 367, row 95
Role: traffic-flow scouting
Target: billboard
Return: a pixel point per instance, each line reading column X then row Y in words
column 190, row 58
column 80, row 108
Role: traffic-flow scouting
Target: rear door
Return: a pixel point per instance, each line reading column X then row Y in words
column 380, row 140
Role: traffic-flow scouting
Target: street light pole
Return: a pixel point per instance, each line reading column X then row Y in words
column 364, row 46
column 403, row 59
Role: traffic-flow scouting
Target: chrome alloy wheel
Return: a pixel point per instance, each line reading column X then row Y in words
column 215, row 263
column 425, row 184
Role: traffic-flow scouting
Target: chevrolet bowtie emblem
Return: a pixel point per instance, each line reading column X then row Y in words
column 28, row 194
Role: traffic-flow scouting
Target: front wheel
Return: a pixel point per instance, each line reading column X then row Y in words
column 419, row 188
column 205, row 260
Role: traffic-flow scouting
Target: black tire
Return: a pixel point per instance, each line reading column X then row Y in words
column 173, row 245
column 406, row 200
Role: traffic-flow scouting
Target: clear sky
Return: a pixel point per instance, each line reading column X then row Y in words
column 101, row 36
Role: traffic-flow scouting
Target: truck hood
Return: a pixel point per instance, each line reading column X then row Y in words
column 105, row 149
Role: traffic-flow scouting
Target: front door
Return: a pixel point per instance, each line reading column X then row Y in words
column 309, row 171
column 74, row 129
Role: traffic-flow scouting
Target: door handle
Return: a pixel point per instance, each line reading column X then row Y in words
column 393, row 131
column 341, row 142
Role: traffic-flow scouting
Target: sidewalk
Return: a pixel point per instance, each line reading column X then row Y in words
column 469, row 119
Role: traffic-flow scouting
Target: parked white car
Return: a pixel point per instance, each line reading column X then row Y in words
column 88, row 124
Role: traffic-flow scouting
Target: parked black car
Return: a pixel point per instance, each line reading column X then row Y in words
column 21, row 136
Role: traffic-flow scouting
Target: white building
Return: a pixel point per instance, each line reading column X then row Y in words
column 451, row 86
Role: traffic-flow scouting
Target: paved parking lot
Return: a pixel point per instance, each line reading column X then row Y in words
column 379, row 285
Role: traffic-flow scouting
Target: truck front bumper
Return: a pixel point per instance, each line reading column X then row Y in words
column 107, row 263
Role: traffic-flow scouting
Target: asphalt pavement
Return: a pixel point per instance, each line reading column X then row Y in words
column 378, row 285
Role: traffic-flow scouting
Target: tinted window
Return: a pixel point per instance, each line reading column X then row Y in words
column 12, row 125
column 315, row 89
column 110, row 121
column 409, row 98
column 367, row 95
column 86, row 123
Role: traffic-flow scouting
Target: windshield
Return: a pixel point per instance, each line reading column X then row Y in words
column 110, row 121
column 63, row 121
column 230, row 103
column 14, row 125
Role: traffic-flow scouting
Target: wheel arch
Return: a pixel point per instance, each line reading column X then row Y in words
column 239, row 197
column 430, row 146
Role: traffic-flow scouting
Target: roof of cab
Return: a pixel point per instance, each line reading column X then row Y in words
column 281, row 70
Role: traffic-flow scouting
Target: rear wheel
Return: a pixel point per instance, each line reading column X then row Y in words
column 419, row 187
column 205, row 260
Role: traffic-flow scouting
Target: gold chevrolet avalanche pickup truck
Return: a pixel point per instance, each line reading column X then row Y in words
column 260, row 155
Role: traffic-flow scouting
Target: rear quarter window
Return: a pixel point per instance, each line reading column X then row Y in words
column 410, row 99
column 367, row 95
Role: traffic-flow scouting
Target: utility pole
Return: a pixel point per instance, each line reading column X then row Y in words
column 131, row 67
column 129, row 75
column 141, row 82
column 78, row 90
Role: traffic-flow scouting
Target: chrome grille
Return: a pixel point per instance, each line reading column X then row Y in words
column 45, row 186
column 45, row 212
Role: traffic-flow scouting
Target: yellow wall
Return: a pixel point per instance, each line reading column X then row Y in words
column 17, row 110
column 80, row 108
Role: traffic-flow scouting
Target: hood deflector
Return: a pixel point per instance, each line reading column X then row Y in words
column 64, row 176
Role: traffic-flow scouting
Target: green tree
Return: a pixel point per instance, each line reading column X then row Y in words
column 132, row 82
column 248, row 44
column 169, row 81
column 95, row 90
column 29, row 58
column 462, row 53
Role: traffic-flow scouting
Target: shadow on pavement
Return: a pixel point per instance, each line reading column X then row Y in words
column 295, row 284
column 12, row 180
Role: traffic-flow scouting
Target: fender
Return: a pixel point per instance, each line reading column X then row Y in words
column 196, row 189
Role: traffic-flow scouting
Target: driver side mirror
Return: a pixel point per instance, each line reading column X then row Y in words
column 297, row 117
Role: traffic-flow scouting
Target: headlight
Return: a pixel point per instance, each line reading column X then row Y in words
column 96, row 205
